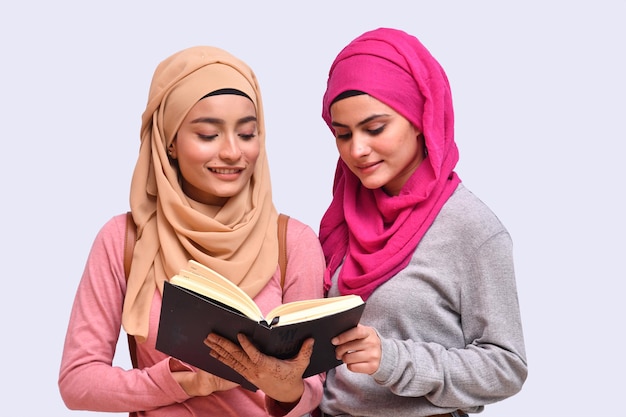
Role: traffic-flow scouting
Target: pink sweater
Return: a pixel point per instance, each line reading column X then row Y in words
column 89, row 381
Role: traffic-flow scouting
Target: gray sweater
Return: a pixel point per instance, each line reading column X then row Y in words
column 449, row 324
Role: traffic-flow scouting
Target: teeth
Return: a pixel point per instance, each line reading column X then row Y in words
column 225, row 171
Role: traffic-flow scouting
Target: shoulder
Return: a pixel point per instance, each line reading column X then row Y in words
column 305, row 263
column 107, row 252
column 466, row 214
column 114, row 229
column 296, row 230
column 302, row 241
column 110, row 239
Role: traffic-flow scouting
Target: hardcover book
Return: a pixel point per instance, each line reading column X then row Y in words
column 199, row 301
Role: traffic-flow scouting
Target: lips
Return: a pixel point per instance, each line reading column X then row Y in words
column 226, row 171
column 368, row 167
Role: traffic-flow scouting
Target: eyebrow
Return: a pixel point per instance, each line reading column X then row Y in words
column 362, row 122
column 216, row 121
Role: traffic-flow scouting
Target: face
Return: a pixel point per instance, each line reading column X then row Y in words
column 381, row 147
column 216, row 147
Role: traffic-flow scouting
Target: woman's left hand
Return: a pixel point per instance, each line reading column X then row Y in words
column 279, row 379
column 359, row 348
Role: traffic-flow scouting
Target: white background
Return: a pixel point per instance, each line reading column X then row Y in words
column 539, row 91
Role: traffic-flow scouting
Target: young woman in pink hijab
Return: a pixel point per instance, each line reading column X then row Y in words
column 441, row 333
column 200, row 190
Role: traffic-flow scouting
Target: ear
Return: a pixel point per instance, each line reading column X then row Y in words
column 171, row 150
column 421, row 140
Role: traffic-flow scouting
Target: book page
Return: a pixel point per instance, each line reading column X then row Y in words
column 205, row 281
column 305, row 310
column 220, row 287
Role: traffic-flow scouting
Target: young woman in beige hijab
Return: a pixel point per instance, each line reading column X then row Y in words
column 200, row 190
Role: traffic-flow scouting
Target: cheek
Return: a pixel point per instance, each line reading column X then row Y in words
column 251, row 150
column 194, row 153
column 412, row 146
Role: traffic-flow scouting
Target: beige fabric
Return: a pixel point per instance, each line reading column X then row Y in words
column 238, row 239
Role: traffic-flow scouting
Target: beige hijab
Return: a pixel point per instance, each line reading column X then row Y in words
column 237, row 239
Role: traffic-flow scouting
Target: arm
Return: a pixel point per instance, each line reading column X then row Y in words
column 87, row 379
column 491, row 365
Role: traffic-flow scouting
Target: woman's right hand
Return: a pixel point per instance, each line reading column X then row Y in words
column 198, row 383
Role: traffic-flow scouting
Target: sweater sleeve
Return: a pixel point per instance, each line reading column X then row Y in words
column 491, row 366
column 88, row 379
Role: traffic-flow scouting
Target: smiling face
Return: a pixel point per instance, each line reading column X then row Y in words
column 381, row 147
column 216, row 147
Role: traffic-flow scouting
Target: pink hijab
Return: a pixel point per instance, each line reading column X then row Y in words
column 372, row 233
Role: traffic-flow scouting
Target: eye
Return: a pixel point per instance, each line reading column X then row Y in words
column 247, row 129
column 247, row 136
column 376, row 131
column 342, row 134
column 207, row 137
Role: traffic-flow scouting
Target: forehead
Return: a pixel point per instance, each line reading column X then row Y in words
column 357, row 108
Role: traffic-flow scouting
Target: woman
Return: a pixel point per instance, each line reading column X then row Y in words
column 441, row 333
column 200, row 190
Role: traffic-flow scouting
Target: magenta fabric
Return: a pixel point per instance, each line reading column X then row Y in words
column 374, row 234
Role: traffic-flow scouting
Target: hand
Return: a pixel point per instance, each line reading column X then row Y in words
column 359, row 348
column 279, row 379
column 198, row 383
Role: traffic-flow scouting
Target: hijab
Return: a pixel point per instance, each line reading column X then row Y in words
column 239, row 239
column 372, row 233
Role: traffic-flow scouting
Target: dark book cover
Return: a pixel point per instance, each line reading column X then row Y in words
column 187, row 318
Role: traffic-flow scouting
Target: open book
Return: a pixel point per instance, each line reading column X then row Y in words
column 199, row 301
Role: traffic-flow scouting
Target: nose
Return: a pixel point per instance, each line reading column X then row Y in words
column 230, row 150
column 360, row 146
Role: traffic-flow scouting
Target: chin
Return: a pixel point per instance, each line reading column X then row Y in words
column 370, row 184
